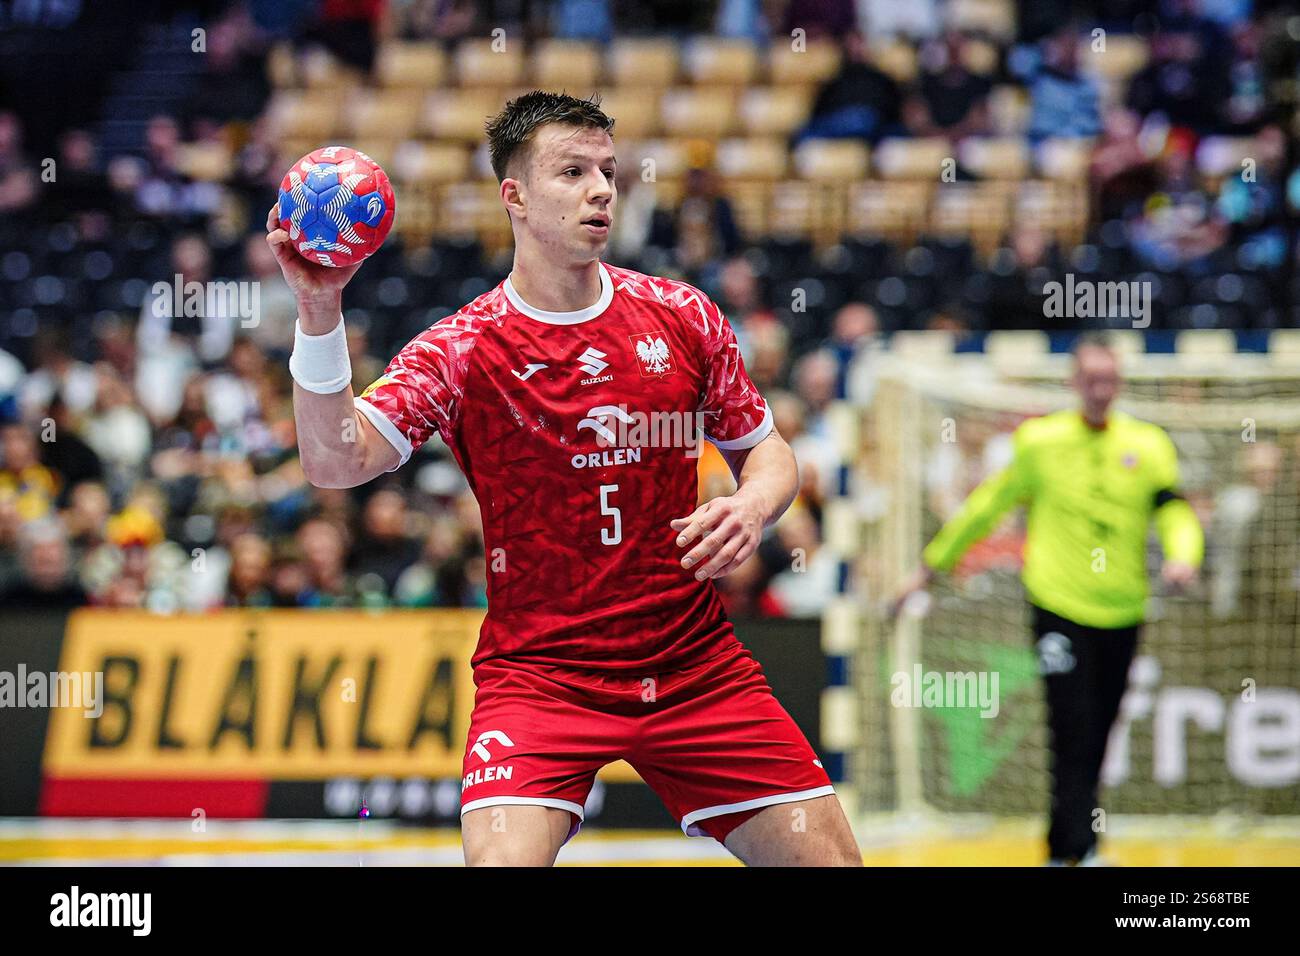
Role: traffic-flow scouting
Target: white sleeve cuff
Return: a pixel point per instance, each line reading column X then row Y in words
column 747, row 441
column 385, row 427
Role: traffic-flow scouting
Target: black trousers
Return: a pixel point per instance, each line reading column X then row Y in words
column 1085, row 670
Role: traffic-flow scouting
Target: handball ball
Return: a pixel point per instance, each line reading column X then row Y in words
column 337, row 205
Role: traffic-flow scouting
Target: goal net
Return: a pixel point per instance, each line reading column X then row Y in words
column 1211, row 720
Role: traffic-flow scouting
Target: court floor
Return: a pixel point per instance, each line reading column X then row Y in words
column 888, row 841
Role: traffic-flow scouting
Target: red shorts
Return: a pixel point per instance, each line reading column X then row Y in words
column 710, row 739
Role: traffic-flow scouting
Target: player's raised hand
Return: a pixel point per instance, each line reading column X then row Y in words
column 317, row 288
column 725, row 531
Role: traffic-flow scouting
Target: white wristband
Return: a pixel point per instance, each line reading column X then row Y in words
column 320, row 363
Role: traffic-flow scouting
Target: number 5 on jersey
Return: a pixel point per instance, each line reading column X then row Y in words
column 607, row 536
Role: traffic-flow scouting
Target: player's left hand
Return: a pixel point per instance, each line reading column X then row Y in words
column 728, row 528
column 1177, row 575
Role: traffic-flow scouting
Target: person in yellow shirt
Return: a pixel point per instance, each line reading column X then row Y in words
column 1092, row 480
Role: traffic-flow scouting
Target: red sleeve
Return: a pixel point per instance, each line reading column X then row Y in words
column 420, row 391
column 735, row 414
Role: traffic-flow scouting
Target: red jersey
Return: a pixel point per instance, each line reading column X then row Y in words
column 576, row 432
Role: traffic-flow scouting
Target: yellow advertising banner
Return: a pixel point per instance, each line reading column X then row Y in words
column 279, row 694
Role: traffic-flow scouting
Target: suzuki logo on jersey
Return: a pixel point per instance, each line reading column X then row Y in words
column 528, row 371
column 480, row 746
column 652, row 353
column 591, row 361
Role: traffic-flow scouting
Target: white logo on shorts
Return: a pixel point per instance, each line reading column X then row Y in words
column 1054, row 654
column 480, row 749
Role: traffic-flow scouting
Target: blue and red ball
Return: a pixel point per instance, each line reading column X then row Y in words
column 337, row 205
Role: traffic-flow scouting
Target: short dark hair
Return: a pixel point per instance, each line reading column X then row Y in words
column 510, row 131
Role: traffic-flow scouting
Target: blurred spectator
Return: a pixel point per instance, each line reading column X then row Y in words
column 1064, row 102
column 860, row 101
column 66, row 453
column 47, row 579
column 1188, row 74
column 56, row 373
column 17, row 176
column 383, row 547
column 703, row 227
column 951, row 100
column 30, row 485
column 583, row 20
column 819, row 19
column 250, row 572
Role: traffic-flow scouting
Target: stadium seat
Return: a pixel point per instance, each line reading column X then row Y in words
column 635, row 112
column 416, row 161
column 751, row 159
column 833, row 160
column 410, row 64
column 750, row 203
column 995, row 18
column 1127, row 341
column 922, row 344
column 668, row 158
column 1059, row 208
column 382, row 113
column 1125, row 54
column 209, row 161
column 642, row 63
column 892, row 210
column 1009, row 110
column 775, row 110
column 479, row 66
column 472, row 210
column 707, row 112
column 1208, row 344
column 459, row 114
column 977, row 210
column 990, row 157
column 1016, row 348
column 565, row 65
column 816, row 63
column 1064, row 159
column 1284, row 347
column 980, row 57
column 298, row 114
column 710, row 61
column 895, row 58
column 898, row 158
column 320, row 69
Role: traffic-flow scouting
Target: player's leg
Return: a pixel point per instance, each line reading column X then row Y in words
column 730, row 763
column 514, row 835
column 1066, row 662
column 534, row 745
column 1114, row 656
column 805, row 833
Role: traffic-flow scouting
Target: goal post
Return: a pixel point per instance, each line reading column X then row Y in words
column 1211, row 720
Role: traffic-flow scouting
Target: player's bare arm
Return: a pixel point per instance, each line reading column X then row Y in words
column 334, row 453
column 727, row 530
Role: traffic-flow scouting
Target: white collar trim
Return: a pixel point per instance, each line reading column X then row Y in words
column 565, row 318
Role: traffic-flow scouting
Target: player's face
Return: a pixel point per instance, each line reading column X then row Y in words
column 1096, row 379
column 569, row 192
